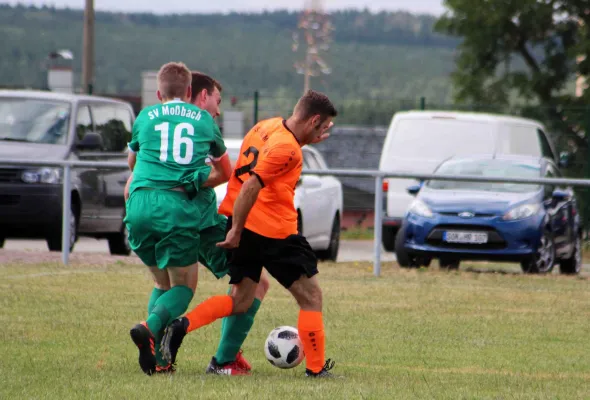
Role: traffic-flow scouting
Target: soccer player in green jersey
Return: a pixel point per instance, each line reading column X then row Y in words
column 170, row 144
column 229, row 360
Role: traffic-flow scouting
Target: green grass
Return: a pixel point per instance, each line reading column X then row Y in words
column 408, row 334
column 356, row 233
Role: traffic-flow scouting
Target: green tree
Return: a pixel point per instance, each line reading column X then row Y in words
column 527, row 48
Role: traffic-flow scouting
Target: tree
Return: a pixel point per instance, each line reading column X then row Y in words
column 527, row 48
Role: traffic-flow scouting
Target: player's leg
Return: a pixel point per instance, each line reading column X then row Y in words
column 235, row 328
column 295, row 268
column 245, row 264
column 173, row 221
column 142, row 240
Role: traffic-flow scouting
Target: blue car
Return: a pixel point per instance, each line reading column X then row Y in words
column 535, row 225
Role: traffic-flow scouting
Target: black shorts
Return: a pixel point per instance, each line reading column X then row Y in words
column 285, row 259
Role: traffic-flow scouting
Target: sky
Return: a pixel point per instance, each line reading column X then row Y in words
column 178, row 6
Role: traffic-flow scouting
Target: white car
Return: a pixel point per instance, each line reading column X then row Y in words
column 318, row 200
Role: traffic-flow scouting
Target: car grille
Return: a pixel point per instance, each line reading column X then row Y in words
column 10, row 175
column 477, row 215
column 495, row 240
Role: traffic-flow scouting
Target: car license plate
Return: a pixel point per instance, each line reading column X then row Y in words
column 465, row 237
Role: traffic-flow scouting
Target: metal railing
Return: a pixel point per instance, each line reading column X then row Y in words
column 379, row 176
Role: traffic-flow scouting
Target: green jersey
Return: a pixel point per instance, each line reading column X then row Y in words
column 172, row 142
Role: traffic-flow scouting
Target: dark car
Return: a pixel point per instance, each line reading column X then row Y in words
column 535, row 225
column 36, row 125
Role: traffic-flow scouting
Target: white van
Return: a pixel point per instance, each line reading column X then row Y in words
column 418, row 141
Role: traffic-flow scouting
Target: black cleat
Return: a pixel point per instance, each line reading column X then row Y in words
column 324, row 372
column 144, row 340
column 172, row 339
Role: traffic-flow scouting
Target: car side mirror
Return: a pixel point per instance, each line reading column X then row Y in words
column 414, row 189
column 311, row 182
column 564, row 159
column 90, row 141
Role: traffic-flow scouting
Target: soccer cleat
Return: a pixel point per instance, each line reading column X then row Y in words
column 168, row 369
column 144, row 340
column 231, row 368
column 242, row 362
column 324, row 372
column 172, row 339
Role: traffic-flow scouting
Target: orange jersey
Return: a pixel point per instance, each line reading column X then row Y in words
column 272, row 153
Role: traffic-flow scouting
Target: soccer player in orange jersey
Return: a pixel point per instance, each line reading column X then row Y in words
column 262, row 229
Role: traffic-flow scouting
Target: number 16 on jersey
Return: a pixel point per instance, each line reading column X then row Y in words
column 177, row 141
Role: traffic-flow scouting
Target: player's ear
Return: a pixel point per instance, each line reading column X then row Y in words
column 159, row 95
column 189, row 92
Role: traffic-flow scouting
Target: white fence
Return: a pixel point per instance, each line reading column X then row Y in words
column 379, row 176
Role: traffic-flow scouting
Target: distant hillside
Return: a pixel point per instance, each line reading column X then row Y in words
column 385, row 55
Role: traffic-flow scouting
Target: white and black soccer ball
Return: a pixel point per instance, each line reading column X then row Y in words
column 283, row 348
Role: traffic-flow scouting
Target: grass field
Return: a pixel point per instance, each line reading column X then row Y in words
column 408, row 334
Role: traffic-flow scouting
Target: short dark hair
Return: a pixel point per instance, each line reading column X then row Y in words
column 315, row 103
column 201, row 81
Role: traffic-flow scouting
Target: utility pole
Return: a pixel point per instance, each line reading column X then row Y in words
column 88, row 48
column 316, row 29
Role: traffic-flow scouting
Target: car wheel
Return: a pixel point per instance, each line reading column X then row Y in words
column 573, row 265
column 388, row 238
column 543, row 260
column 449, row 263
column 331, row 253
column 404, row 258
column 119, row 242
column 54, row 240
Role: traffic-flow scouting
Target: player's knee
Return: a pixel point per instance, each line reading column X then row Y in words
column 311, row 299
column 241, row 303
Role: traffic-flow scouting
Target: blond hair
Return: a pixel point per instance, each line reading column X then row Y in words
column 174, row 79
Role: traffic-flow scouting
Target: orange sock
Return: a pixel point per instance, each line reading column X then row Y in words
column 311, row 333
column 208, row 311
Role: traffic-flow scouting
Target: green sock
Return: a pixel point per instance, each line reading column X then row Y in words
column 234, row 332
column 156, row 293
column 168, row 307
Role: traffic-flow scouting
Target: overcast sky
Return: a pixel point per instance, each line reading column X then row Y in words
column 164, row 7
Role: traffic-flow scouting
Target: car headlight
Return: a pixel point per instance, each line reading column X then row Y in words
column 42, row 175
column 420, row 208
column 521, row 212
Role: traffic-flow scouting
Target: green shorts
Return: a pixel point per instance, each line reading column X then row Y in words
column 164, row 228
column 211, row 256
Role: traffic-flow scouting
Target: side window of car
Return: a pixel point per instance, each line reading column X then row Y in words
column 545, row 147
column 113, row 123
column 83, row 122
column 523, row 140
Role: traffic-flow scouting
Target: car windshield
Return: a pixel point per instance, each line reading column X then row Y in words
column 34, row 120
column 440, row 138
column 487, row 168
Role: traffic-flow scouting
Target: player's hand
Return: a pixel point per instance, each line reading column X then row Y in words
column 232, row 240
column 324, row 134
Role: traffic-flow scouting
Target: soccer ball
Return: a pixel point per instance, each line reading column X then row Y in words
column 283, row 348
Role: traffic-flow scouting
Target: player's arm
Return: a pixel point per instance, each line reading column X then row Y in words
column 221, row 167
column 278, row 161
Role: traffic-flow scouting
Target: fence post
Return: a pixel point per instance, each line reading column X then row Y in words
column 378, row 224
column 65, row 218
column 256, row 99
column 422, row 103
column 586, row 219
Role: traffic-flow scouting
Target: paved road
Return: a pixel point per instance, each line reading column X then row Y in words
column 350, row 250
